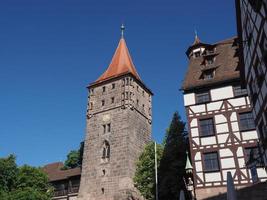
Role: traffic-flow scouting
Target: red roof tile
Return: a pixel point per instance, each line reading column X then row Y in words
column 121, row 63
column 55, row 172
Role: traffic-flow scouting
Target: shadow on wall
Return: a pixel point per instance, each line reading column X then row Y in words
column 253, row 192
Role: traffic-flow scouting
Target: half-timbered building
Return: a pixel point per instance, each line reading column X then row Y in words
column 221, row 128
column 252, row 33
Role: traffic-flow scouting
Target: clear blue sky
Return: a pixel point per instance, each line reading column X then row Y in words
column 51, row 49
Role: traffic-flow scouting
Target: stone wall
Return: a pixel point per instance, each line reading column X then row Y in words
column 127, row 110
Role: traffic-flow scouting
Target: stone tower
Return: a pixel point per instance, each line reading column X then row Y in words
column 118, row 126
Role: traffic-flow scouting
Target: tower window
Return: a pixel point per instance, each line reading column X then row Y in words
column 197, row 54
column 103, row 89
column 112, row 99
column 137, row 88
column 103, row 190
column 206, row 127
column 127, row 81
column 123, row 82
column 209, row 61
column 103, row 102
column 246, row 121
column 202, row 97
column 211, row 162
column 104, row 172
column 137, row 102
column 143, row 93
column 208, row 74
column 113, row 86
column 109, row 128
column 106, row 150
column 127, row 95
column 143, row 106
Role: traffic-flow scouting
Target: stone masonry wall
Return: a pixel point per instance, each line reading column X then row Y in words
column 127, row 110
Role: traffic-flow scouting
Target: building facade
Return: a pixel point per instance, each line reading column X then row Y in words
column 252, row 33
column 66, row 183
column 222, row 132
column 118, row 127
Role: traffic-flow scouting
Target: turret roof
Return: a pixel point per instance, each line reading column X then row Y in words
column 121, row 63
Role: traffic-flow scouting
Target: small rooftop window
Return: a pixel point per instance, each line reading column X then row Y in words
column 208, row 74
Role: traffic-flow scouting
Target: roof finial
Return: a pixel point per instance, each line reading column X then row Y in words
column 196, row 36
column 122, row 30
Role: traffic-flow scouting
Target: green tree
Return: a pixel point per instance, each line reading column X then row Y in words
column 173, row 161
column 74, row 158
column 22, row 183
column 8, row 173
column 145, row 173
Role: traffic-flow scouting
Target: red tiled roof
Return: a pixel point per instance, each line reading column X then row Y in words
column 55, row 172
column 121, row 63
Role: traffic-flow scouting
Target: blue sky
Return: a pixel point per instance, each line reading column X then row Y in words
column 50, row 50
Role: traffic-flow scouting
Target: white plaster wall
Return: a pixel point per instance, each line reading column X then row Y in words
column 194, row 132
column 198, row 108
column 222, row 138
column 222, row 128
column 221, row 93
column 214, row 106
column 233, row 117
column 198, row 166
column 193, row 123
column 208, row 140
column 241, row 162
column 200, row 175
column 220, row 119
column 196, row 140
column 237, row 101
column 197, row 156
column 212, row 177
column 239, row 152
column 228, row 163
column 261, row 173
column 189, row 99
column 225, row 153
column 235, row 126
column 249, row 135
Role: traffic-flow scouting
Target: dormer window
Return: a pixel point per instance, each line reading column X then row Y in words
column 209, row 61
column 208, row 74
column 197, row 54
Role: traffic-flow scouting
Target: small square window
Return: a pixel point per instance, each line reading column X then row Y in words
column 246, row 121
column 206, row 127
column 112, row 99
column 197, row 54
column 209, row 61
column 208, row 74
column 202, row 97
column 103, row 102
column 137, row 102
column 113, row 86
column 104, row 89
column 211, row 162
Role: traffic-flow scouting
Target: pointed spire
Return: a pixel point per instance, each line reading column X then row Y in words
column 197, row 40
column 121, row 62
column 188, row 166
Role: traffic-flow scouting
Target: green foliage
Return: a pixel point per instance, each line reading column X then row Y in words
column 22, row 183
column 145, row 173
column 8, row 173
column 173, row 161
column 74, row 158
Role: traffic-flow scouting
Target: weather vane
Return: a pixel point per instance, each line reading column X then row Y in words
column 122, row 30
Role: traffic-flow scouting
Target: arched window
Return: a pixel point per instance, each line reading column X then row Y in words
column 106, row 150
